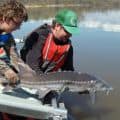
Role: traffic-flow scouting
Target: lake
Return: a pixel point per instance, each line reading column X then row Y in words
column 96, row 51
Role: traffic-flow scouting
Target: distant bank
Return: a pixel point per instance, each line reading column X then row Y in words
column 57, row 5
column 69, row 3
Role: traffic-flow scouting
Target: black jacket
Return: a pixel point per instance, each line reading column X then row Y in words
column 34, row 43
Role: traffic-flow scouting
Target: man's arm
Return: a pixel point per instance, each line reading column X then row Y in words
column 29, row 42
column 68, row 65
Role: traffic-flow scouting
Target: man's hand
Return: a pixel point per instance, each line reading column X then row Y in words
column 12, row 76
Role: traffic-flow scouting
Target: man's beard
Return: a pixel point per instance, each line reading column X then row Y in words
column 60, row 42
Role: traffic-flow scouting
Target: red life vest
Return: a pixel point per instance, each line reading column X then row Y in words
column 54, row 54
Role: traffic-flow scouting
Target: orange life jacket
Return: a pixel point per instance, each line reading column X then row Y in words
column 54, row 54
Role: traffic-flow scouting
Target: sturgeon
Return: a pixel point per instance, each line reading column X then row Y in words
column 60, row 81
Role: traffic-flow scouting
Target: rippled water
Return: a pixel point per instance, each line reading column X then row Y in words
column 97, row 51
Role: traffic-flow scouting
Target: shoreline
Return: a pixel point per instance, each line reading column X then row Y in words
column 59, row 5
column 66, row 5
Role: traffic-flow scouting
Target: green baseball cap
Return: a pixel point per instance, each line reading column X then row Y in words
column 68, row 19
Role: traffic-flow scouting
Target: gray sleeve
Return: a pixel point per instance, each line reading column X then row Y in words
column 3, row 67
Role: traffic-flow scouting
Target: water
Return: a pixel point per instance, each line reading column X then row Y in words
column 97, row 51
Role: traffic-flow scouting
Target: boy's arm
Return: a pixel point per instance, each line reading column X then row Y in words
column 3, row 67
column 9, row 61
column 6, row 71
column 14, row 57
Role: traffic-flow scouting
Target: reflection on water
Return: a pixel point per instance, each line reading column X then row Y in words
column 102, row 20
column 96, row 50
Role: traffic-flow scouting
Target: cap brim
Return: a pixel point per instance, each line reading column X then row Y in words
column 72, row 30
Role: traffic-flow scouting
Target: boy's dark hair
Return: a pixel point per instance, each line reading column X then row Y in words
column 13, row 9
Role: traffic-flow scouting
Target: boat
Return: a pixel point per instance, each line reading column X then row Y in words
column 22, row 102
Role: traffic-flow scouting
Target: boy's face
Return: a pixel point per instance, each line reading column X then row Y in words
column 11, row 25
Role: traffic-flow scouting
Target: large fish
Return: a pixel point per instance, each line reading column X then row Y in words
column 60, row 81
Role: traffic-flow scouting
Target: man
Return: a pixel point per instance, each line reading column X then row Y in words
column 12, row 14
column 48, row 48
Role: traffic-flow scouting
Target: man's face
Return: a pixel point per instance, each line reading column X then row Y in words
column 61, row 34
column 11, row 25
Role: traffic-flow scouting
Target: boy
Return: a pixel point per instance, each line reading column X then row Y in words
column 12, row 14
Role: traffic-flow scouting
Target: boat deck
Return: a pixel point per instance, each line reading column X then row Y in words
column 23, row 102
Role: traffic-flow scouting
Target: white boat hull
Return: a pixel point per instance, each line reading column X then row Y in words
column 28, row 106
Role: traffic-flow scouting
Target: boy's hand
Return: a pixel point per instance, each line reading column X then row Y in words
column 12, row 76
